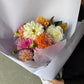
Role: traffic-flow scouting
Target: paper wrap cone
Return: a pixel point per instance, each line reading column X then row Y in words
column 53, row 68
column 13, row 13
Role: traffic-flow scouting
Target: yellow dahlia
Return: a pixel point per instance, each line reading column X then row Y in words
column 32, row 29
column 43, row 21
column 43, row 40
column 55, row 32
column 64, row 27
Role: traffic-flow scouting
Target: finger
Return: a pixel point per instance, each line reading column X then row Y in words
column 51, row 81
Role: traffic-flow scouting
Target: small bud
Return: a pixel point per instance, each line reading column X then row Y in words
column 14, row 52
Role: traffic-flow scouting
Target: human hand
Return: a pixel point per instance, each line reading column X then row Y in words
column 55, row 81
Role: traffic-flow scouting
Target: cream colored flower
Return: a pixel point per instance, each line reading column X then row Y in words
column 32, row 29
column 55, row 32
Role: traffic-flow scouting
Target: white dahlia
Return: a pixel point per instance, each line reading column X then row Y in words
column 55, row 32
column 32, row 29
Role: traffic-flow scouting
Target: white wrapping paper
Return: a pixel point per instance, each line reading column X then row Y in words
column 54, row 67
column 13, row 13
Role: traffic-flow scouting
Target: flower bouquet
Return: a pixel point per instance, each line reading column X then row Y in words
column 35, row 39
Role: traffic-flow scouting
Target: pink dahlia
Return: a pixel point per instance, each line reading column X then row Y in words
column 25, row 54
column 23, row 43
column 20, row 27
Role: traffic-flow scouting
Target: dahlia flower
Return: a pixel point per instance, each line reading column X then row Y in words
column 23, row 43
column 32, row 29
column 21, row 35
column 64, row 27
column 43, row 40
column 20, row 31
column 20, row 27
column 25, row 54
column 43, row 21
column 55, row 32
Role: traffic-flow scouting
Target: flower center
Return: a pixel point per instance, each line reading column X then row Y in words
column 33, row 30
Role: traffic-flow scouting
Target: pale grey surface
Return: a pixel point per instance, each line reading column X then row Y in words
column 12, row 73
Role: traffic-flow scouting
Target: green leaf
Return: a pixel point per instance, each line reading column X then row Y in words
column 24, row 23
column 14, row 52
column 58, row 23
column 17, row 31
column 33, row 45
column 51, row 22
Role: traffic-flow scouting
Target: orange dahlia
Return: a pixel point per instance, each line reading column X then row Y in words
column 21, row 32
column 43, row 40
column 43, row 21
